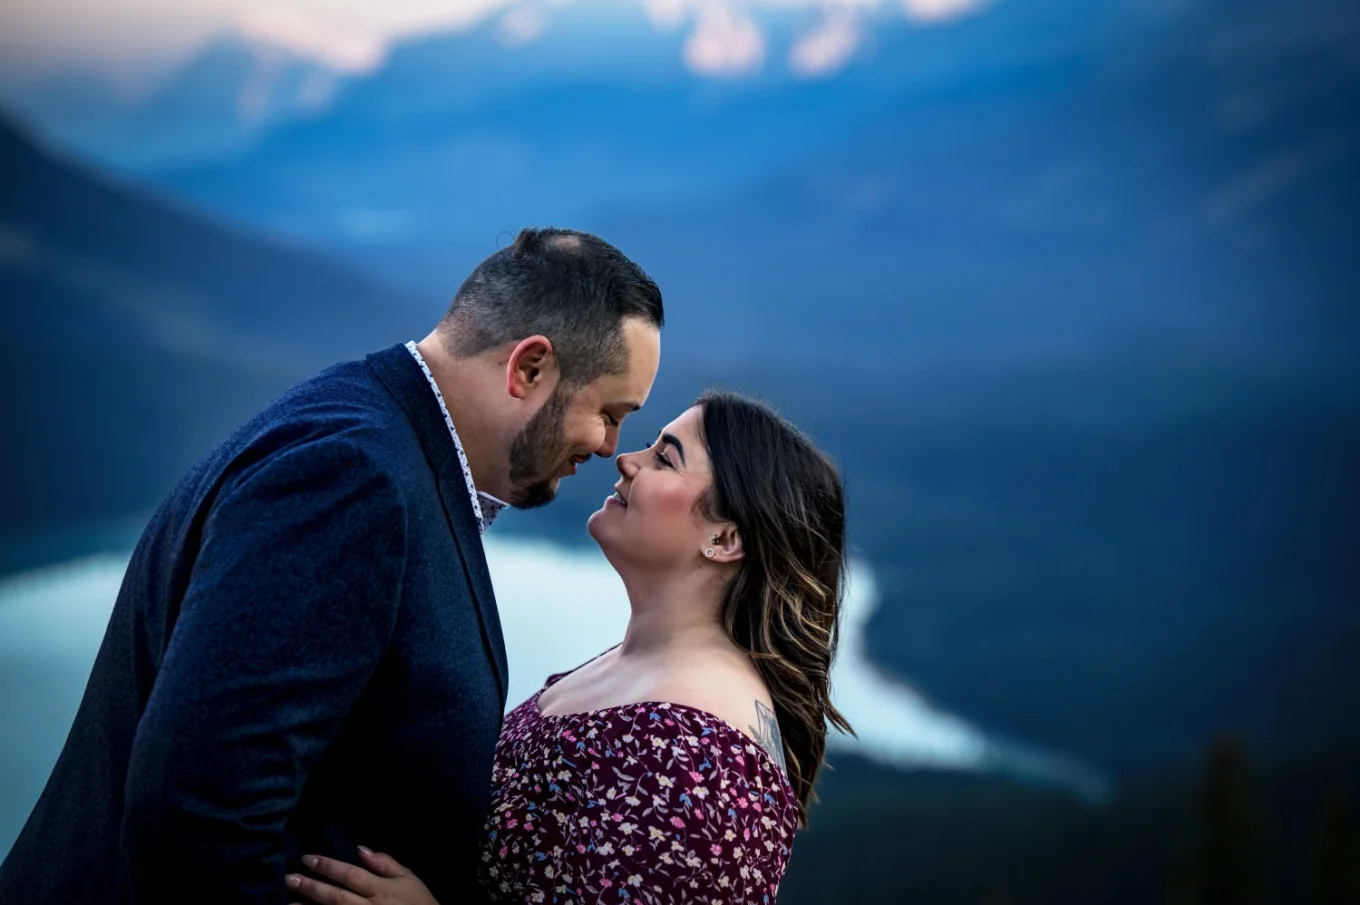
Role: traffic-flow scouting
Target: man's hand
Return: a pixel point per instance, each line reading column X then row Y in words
column 385, row 882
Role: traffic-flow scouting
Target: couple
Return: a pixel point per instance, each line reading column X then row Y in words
column 305, row 664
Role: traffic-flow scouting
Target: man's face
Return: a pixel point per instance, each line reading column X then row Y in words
column 575, row 425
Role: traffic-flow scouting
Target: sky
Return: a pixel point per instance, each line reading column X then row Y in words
column 354, row 34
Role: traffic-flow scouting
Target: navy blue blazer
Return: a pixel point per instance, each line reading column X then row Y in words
column 304, row 656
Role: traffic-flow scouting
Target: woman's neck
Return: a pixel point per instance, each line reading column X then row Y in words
column 671, row 613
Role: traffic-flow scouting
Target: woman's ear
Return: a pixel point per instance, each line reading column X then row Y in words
column 725, row 542
column 532, row 366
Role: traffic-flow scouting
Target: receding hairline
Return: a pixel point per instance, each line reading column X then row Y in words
column 568, row 242
column 453, row 330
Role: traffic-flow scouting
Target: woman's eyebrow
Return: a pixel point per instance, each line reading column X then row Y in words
column 672, row 440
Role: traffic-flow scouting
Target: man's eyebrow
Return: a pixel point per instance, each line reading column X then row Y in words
column 679, row 447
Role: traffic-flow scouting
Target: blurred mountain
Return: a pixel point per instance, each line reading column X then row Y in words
column 1088, row 350
column 1192, row 189
column 217, row 102
column 462, row 135
column 137, row 333
column 1033, row 181
column 1068, row 289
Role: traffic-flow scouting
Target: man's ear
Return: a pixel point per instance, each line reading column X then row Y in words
column 725, row 541
column 532, row 366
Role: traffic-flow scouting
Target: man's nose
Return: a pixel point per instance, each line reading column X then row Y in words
column 610, row 444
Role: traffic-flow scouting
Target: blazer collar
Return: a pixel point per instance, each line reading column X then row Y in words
column 398, row 372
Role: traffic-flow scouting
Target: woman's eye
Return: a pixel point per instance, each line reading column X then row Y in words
column 662, row 460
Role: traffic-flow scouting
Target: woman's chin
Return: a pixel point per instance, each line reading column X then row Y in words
column 593, row 523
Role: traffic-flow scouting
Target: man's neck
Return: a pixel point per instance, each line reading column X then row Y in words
column 461, row 382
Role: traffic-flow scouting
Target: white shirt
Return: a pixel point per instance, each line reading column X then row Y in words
column 484, row 505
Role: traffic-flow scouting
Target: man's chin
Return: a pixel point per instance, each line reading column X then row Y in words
column 535, row 496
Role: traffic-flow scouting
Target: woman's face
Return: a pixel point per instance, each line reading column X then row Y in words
column 653, row 520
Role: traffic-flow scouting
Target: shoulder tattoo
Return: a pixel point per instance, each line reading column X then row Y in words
column 766, row 733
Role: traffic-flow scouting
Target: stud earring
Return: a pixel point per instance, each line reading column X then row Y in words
column 709, row 552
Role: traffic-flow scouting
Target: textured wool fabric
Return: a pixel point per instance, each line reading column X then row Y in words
column 304, row 656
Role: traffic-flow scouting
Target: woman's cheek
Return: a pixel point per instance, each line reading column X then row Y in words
column 671, row 507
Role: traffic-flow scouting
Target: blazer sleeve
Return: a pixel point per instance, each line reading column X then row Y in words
column 290, row 605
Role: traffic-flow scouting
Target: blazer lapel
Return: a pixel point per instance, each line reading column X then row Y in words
column 398, row 371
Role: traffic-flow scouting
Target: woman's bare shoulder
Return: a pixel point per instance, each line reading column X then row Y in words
column 731, row 689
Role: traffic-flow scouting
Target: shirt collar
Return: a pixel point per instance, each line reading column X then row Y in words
column 484, row 505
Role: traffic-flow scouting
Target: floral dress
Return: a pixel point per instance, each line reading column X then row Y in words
column 644, row 803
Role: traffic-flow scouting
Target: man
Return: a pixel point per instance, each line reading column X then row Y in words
column 310, row 608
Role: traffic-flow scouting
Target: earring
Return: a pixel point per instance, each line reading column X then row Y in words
column 709, row 552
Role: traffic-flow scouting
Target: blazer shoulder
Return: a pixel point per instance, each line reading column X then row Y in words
column 341, row 421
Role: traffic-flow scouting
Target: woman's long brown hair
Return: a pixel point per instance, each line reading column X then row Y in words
column 783, row 607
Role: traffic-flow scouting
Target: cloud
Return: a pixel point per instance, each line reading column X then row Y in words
column 346, row 49
column 521, row 26
column 939, row 10
column 665, row 15
column 828, row 48
column 355, row 35
column 725, row 43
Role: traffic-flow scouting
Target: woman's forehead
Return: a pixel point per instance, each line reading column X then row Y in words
column 688, row 429
column 687, row 424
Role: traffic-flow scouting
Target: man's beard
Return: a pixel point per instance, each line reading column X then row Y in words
column 536, row 454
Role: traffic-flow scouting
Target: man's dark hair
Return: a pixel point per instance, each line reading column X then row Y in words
column 572, row 287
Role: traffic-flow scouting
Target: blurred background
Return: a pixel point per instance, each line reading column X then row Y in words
column 1069, row 288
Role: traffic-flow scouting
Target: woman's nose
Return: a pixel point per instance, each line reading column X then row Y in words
column 627, row 467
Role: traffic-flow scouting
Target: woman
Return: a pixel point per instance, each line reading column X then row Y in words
column 677, row 766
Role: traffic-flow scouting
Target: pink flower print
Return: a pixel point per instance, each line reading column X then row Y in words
column 716, row 849
column 511, row 823
column 580, row 849
column 606, row 882
column 741, row 803
column 566, row 734
column 746, row 834
column 756, row 805
column 505, row 850
column 677, row 823
column 670, row 722
column 696, row 777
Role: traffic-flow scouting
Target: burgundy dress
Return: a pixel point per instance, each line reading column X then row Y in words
column 644, row 803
